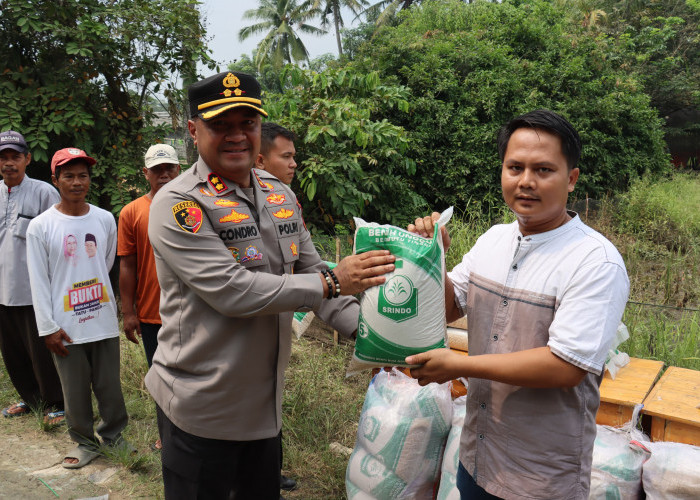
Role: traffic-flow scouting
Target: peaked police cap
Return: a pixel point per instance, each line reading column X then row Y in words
column 219, row 93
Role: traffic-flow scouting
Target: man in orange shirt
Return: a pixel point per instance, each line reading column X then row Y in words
column 138, row 282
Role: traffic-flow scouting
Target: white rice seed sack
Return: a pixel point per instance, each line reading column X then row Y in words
column 405, row 315
column 450, row 459
column 672, row 472
column 616, row 471
column 400, row 439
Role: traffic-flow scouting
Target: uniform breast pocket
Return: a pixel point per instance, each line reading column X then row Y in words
column 21, row 225
column 289, row 248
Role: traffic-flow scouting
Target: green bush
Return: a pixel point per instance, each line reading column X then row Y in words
column 471, row 67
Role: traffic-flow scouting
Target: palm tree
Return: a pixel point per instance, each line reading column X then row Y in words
column 280, row 18
column 332, row 8
column 384, row 10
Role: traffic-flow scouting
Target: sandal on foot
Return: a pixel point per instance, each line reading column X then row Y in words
column 83, row 455
column 16, row 410
column 55, row 417
column 157, row 446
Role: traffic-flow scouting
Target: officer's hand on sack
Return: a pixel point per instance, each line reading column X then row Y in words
column 357, row 273
column 54, row 342
column 425, row 226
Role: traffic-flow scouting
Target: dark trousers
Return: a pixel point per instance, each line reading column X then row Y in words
column 212, row 469
column 468, row 489
column 149, row 337
column 27, row 359
column 93, row 367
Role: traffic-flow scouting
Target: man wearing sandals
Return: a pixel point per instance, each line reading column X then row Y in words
column 27, row 360
column 75, row 309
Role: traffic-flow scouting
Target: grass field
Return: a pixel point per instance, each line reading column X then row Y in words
column 656, row 226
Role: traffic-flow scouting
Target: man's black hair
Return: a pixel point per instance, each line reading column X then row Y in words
column 548, row 121
column 271, row 131
column 59, row 168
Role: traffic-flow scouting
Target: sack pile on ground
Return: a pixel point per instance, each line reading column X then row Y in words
column 450, row 459
column 400, row 439
column 627, row 466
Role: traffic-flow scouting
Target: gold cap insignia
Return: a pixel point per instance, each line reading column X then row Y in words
column 231, row 80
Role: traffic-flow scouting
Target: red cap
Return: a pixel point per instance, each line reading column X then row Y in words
column 63, row 156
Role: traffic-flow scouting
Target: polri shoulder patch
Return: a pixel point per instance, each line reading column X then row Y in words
column 188, row 215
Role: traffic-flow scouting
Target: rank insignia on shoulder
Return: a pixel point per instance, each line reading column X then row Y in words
column 234, row 217
column 262, row 184
column 234, row 253
column 216, row 183
column 251, row 253
column 206, row 192
column 226, row 203
column 188, row 215
column 283, row 213
column 276, row 199
column 294, row 249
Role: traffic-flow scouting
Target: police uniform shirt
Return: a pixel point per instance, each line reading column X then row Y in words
column 18, row 206
column 232, row 270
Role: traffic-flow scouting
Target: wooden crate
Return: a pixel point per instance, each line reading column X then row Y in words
column 673, row 405
column 618, row 397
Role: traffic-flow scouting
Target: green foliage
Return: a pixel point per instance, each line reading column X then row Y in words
column 472, row 67
column 352, row 162
column 665, row 212
column 80, row 73
column 658, row 42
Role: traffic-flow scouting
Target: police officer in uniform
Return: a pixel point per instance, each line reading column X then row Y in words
column 234, row 261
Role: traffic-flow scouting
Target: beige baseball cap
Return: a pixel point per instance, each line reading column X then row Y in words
column 161, row 153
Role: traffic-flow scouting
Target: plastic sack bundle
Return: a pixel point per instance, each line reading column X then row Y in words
column 616, row 471
column 400, row 439
column 405, row 315
column 615, row 359
column 450, row 459
column 672, row 472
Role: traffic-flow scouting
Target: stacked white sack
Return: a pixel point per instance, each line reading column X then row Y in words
column 450, row 459
column 672, row 472
column 405, row 315
column 400, row 439
column 616, row 471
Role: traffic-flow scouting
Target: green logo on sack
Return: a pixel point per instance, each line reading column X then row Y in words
column 398, row 299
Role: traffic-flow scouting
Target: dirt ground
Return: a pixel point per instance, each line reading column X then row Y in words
column 30, row 460
column 30, row 466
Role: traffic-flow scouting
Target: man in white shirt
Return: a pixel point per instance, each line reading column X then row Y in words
column 75, row 308
column 544, row 297
column 26, row 358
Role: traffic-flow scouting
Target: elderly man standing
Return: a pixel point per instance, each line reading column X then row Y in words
column 234, row 262
column 27, row 359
